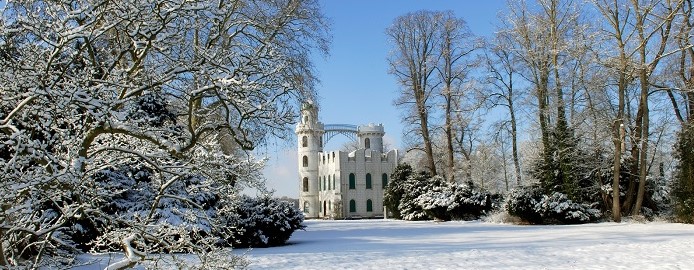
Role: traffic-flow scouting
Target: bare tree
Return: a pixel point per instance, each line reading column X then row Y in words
column 416, row 43
column 457, row 46
column 653, row 22
column 502, row 70
column 622, row 65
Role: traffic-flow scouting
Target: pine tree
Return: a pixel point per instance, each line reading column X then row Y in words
column 684, row 181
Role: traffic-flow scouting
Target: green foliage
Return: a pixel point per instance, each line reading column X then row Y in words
column 684, row 181
column 395, row 190
column 533, row 206
column 415, row 185
column 420, row 196
column 521, row 203
column 470, row 202
column 560, row 168
column 263, row 222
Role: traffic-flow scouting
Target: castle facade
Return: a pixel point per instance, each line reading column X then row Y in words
column 338, row 184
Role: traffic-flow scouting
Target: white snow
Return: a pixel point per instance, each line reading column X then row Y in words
column 391, row 244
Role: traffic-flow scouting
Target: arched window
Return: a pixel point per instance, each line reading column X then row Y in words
column 306, row 207
column 369, row 206
column 367, row 143
column 368, row 181
column 305, row 161
column 305, row 184
column 304, row 141
column 384, row 180
column 352, row 206
column 352, row 181
column 323, row 159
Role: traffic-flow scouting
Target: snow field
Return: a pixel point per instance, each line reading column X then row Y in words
column 391, row 244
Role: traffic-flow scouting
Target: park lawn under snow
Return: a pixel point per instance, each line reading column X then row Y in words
column 391, row 244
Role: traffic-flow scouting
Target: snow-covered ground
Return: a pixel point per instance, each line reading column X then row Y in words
column 390, row 244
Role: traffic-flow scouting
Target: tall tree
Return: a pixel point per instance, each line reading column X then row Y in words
column 619, row 35
column 456, row 47
column 502, row 71
column 544, row 38
column 653, row 23
column 416, row 39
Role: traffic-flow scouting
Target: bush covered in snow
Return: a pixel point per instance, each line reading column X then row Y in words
column 419, row 196
column 263, row 222
column 470, row 202
column 433, row 200
column 395, row 189
column 533, row 206
column 417, row 184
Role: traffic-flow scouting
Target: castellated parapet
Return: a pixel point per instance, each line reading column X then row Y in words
column 338, row 184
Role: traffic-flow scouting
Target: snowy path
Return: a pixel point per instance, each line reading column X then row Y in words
column 389, row 244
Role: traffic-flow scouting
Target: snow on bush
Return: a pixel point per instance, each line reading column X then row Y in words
column 263, row 222
column 533, row 206
column 419, row 196
column 90, row 88
column 436, row 201
column 470, row 202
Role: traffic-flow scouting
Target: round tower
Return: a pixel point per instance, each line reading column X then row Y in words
column 371, row 137
column 309, row 133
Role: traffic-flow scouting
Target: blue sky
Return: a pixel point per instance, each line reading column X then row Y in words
column 355, row 86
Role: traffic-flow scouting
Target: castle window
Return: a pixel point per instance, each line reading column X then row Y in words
column 333, row 156
column 306, row 207
column 324, row 187
column 368, row 181
column 352, row 206
column 305, row 184
column 384, row 180
column 330, row 187
column 367, row 143
column 334, row 186
column 304, row 141
column 330, row 205
column 323, row 159
column 305, row 161
column 352, row 181
column 369, row 206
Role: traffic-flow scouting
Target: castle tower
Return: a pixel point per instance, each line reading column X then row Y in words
column 310, row 143
column 371, row 137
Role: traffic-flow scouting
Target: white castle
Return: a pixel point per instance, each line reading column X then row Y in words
column 338, row 184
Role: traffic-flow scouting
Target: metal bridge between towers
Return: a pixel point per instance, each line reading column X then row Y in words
column 332, row 130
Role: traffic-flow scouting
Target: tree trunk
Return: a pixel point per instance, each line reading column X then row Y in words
column 619, row 130
column 634, row 170
column 514, row 147
column 450, row 162
column 643, row 165
column 3, row 260
column 424, row 126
